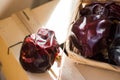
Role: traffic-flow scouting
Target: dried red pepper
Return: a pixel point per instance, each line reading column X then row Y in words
column 94, row 30
column 39, row 51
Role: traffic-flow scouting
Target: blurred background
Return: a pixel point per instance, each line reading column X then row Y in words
column 7, row 7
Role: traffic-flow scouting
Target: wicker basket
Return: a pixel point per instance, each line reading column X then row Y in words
column 80, row 59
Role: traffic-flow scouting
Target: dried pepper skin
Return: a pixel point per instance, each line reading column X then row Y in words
column 39, row 51
column 114, row 50
column 94, row 28
column 92, row 33
column 109, row 9
column 94, row 8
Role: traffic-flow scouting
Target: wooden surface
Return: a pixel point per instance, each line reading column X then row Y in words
column 93, row 73
column 70, row 71
column 11, row 68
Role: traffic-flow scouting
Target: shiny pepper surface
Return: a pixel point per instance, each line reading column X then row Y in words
column 39, row 51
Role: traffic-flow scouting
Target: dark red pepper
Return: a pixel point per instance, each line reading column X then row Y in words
column 92, row 34
column 108, row 9
column 39, row 51
column 114, row 50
